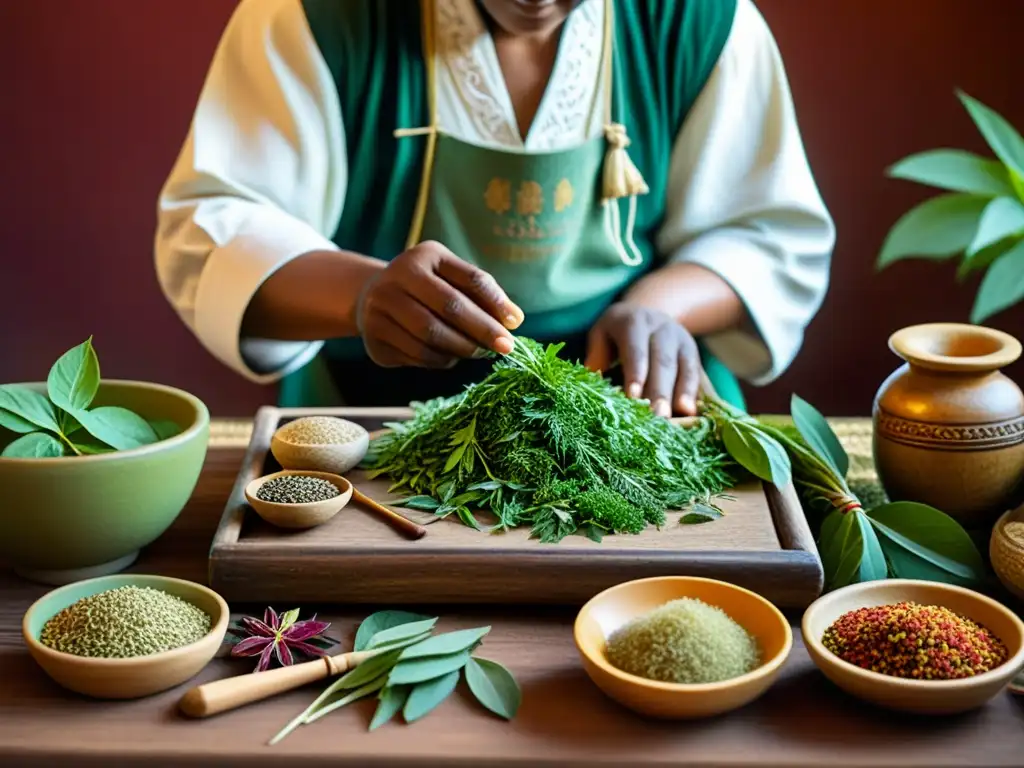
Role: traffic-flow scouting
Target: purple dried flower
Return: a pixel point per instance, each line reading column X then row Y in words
column 279, row 637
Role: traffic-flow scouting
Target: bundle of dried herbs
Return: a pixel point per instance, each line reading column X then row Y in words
column 545, row 443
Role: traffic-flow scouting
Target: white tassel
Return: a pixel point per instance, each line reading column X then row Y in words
column 621, row 177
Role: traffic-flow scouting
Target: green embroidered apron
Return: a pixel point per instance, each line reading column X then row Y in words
column 537, row 222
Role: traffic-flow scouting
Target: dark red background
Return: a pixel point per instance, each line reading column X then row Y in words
column 97, row 97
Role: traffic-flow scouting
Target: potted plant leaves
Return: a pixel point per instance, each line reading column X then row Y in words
column 980, row 213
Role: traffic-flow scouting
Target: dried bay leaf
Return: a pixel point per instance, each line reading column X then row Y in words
column 494, row 687
column 426, row 697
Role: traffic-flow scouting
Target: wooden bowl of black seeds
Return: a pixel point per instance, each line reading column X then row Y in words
column 298, row 499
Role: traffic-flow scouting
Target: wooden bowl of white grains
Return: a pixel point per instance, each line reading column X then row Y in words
column 321, row 444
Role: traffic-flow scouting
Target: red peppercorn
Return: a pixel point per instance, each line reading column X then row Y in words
column 908, row 640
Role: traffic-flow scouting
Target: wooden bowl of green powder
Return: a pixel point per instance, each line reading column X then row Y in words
column 125, row 636
column 682, row 647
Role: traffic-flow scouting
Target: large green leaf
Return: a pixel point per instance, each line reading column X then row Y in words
column 938, row 228
column 28, row 406
column 984, row 258
column 1003, row 217
column 37, row 445
column 1002, row 286
column 117, row 427
column 758, row 453
column 1002, row 137
column 392, row 699
column 872, row 565
column 494, row 687
column 815, row 430
column 427, row 668
column 74, row 378
column 923, row 543
column 443, row 645
column 842, row 549
column 425, row 697
column 955, row 170
column 15, row 423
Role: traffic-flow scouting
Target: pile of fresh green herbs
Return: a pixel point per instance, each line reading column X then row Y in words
column 62, row 423
column 413, row 671
column 546, row 443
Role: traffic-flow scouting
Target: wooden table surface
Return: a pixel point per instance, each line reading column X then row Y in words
column 564, row 719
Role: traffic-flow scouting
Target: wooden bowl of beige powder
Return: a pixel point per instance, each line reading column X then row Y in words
column 321, row 444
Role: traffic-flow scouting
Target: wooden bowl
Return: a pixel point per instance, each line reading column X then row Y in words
column 613, row 608
column 336, row 458
column 932, row 697
column 129, row 678
column 1007, row 555
column 298, row 516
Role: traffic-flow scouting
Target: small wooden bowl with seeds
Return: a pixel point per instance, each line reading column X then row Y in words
column 320, row 444
column 298, row 499
column 125, row 636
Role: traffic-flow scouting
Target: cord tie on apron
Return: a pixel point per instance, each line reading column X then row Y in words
column 621, row 177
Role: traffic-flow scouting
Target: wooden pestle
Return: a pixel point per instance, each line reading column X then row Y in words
column 399, row 522
column 233, row 692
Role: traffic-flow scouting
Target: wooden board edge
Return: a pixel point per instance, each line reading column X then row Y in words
column 785, row 578
column 230, row 526
column 792, row 527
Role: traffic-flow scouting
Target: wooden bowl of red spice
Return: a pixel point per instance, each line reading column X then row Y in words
column 915, row 646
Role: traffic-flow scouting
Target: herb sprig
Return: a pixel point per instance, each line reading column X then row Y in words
column 62, row 423
column 414, row 671
column 545, row 443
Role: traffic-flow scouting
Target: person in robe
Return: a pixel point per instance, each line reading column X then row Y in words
column 373, row 195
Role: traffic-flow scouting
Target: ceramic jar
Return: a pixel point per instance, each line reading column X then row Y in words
column 948, row 425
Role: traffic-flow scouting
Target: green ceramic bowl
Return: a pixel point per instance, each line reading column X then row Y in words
column 73, row 518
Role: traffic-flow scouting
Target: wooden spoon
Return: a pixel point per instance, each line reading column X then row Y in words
column 400, row 523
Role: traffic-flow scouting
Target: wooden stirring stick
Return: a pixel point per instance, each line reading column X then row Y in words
column 233, row 692
column 399, row 522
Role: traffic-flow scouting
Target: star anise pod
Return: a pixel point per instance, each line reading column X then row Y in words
column 279, row 638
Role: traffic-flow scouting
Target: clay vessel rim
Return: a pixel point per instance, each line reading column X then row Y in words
column 921, row 345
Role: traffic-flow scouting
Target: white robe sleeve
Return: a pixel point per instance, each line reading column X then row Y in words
column 742, row 202
column 260, row 180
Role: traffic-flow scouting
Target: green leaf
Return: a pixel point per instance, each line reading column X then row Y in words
column 842, row 549
column 984, row 258
column 955, row 170
column 872, row 564
column 368, row 670
column 425, row 503
column 756, row 452
column 1003, row 217
column 701, row 513
column 455, row 458
column 164, row 429
column 938, row 228
column 74, row 378
column 427, row 668
column 1017, row 182
column 815, row 430
column 29, row 406
column 117, row 427
column 425, row 697
column 1000, row 135
column 15, row 423
column 494, row 687
column 400, row 632
column 923, row 543
column 1002, row 286
column 392, row 699
column 36, row 445
column 377, row 622
column 442, row 645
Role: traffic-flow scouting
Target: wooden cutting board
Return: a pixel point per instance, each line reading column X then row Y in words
column 763, row 543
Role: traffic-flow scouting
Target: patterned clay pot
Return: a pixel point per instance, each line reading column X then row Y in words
column 948, row 426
